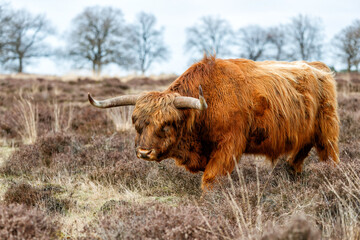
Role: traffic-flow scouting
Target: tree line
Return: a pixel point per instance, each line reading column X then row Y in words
column 100, row 36
column 300, row 39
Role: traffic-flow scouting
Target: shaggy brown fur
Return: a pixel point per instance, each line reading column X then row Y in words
column 268, row 108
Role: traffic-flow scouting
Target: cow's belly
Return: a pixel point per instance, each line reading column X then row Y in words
column 266, row 147
column 255, row 148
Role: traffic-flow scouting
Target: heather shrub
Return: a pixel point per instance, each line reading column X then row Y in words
column 342, row 85
column 141, row 81
column 348, row 82
column 109, row 160
column 113, row 161
column 114, row 83
column 22, row 222
column 350, row 126
column 24, row 193
column 109, row 206
column 89, row 122
column 8, row 129
column 23, row 160
column 349, row 112
column 53, row 144
column 175, row 179
column 150, row 221
column 40, row 157
column 298, row 227
column 44, row 90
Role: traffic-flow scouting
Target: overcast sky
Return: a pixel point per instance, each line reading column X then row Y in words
column 176, row 16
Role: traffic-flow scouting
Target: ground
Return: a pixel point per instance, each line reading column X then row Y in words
column 72, row 168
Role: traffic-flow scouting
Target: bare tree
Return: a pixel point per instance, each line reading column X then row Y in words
column 347, row 45
column 305, row 37
column 211, row 35
column 99, row 37
column 148, row 45
column 252, row 41
column 277, row 43
column 4, row 24
column 25, row 35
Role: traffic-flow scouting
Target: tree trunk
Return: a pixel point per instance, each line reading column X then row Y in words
column 98, row 69
column 348, row 65
column 94, row 68
column 142, row 65
column 20, row 68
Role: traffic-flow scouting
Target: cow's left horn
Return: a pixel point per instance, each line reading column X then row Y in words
column 114, row 102
column 190, row 102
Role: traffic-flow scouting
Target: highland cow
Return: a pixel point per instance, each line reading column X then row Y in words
column 220, row 109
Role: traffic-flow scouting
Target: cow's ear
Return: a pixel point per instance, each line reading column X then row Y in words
column 190, row 121
column 202, row 99
column 134, row 119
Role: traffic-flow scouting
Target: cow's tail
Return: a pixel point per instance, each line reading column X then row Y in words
column 327, row 136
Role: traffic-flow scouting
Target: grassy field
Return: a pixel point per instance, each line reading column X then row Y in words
column 69, row 171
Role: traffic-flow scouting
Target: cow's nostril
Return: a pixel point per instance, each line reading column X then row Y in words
column 145, row 152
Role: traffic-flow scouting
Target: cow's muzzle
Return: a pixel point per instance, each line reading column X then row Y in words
column 146, row 154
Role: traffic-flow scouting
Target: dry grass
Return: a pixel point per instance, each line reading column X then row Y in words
column 62, row 117
column 121, row 118
column 81, row 172
column 313, row 206
column 27, row 120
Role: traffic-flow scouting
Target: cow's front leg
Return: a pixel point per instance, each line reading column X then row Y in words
column 222, row 161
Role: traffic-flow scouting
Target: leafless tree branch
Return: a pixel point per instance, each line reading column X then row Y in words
column 148, row 45
column 211, row 35
column 99, row 37
column 347, row 45
column 252, row 41
column 305, row 38
column 23, row 38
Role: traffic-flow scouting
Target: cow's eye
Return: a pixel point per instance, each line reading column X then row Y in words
column 165, row 128
column 138, row 129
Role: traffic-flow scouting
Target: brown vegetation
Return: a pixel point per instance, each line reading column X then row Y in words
column 21, row 222
column 85, row 181
column 149, row 221
column 24, row 193
column 348, row 82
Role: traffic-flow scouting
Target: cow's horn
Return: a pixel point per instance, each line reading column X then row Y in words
column 114, row 102
column 190, row 102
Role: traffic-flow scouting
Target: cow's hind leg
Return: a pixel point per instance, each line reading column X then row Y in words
column 297, row 161
column 327, row 129
column 327, row 150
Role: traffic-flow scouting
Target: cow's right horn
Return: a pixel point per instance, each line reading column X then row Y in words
column 114, row 102
column 190, row 102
